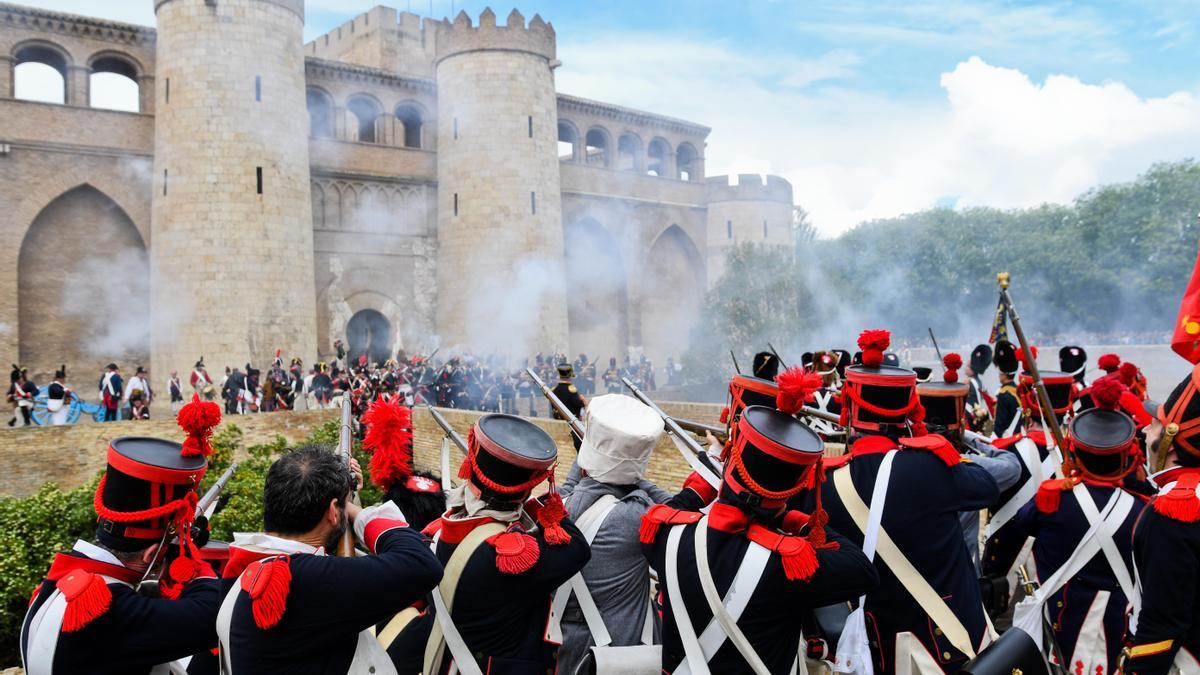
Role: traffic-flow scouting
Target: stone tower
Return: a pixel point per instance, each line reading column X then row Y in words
column 231, row 251
column 755, row 210
column 500, row 237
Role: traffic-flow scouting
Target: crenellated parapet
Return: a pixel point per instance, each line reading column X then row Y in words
column 750, row 187
column 460, row 36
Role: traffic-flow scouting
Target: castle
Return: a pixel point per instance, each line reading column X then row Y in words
column 394, row 180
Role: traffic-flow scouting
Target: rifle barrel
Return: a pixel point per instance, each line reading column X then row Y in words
column 1049, row 417
column 214, row 492
column 558, row 405
column 701, row 428
column 447, row 429
column 700, row 459
column 345, row 443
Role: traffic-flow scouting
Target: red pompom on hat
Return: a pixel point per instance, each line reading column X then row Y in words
column 873, row 343
column 796, row 386
column 1106, row 393
column 198, row 419
column 952, row 362
column 1021, row 356
column 389, row 437
column 1109, row 363
column 1127, row 373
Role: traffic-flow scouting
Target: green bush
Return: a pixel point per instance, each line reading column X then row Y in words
column 33, row 529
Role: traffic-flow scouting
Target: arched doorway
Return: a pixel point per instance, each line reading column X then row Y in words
column 671, row 294
column 83, row 287
column 597, row 299
column 369, row 332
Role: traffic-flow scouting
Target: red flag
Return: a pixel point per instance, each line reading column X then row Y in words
column 1186, row 341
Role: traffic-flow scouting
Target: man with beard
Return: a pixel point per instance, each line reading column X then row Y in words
column 290, row 607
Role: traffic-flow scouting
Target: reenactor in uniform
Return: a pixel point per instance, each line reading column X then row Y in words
column 765, row 366
column 1086, row 583
column 828, row 398
column 1008, row 404
column 773, row 562
column 504, row 553
column 927, row 615
column 88, row 616
column 1164, row 634
column 568, row 393
column 980, row 403
column 58, row 398
column 612, row 377
column 290, row 607
column 1073, row 360
column 388, row 435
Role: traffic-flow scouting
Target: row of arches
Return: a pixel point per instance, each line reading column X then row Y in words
column 44, row 71
column 362, row 118
column 629, row 153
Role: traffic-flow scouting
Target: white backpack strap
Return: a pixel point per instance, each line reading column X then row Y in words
column 444, row 634
column 1112, row 523
column 736, row 596
column 917, row 586
column 224, row 621
column 693, row 660
column 42, row 639
column 589, row 523
column 1026, row 449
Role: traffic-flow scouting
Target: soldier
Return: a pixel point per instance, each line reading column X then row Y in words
column 87, row 616
column 773, row 562
column 980, row 403
column 566, row 392
column 1008, row 404
column 1073, row 360
column 201, row 382
column 1164, row 634
column 58, row 398
column 504, row 554
column 1086, row 577
column 290, row 607
column 927, row 614
column 111, row 388
column 765, row 366
column 827, row 398
column 612, row 377
column 389, row 437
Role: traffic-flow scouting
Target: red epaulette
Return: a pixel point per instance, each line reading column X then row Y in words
column 82, row 583
column 661, row 514
column 1006, row 442
column 516, row 551
column 936, row 444
column 1181, row 502
column 831, row 463
column 268, row 582
column 797, row 553
column 1049, row 493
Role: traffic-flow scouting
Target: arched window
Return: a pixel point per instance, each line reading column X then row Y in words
column 568, row 138
column 686, row 162
column 365, row 111
column 629, row 150
column 412, row 117
column 597, row 147
column 320, row 113
column 40, row 74
column 113, row 84
column 657, row 154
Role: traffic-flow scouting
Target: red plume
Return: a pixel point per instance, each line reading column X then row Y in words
column 952, row 362
column 1109, row 362
column 1128, row 373
column 796, row 385
column 389, row 437
column 198, row 419
column 873, row 343
column 1021, row 356
column 1106, row 393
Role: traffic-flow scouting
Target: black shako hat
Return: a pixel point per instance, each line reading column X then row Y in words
column 143, row 473
column 1073, row 360
column 746, row 391
column 1103, row 441
column 1004, row 358
column 770, row 455
column 508, row 457
column 944, row 403
column 766, row 365
column 566, row 370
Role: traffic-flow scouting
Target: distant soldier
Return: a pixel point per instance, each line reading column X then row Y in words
column 927, row 614
column 111, row 390
column 765, row 366
column 1164, row 634
column 504, row 553
column 58, row 398
column 566, row 392
column 175, row 391
column 1073, row 360
column 980, row 404
column 201, row 382
column 1086, row 577
column 1008, row 404
column 87, row 616
column 139, row 395
column 771, row 565
column 612, row 377
column 288, row 605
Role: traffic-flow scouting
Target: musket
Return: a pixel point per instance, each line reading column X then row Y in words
column 777, row 356
column 700, row 428
column 207, row 505
column 936, row 348
column 1040, row 387
column 1164, row 446
column 345, row 442
column 447, row 429
column 429, row 359
column 736, row 367
column 559, row 407
column 697, row 458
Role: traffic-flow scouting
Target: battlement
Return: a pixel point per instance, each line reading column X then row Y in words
column 461, row 36
column 382, row 38
column 749, row 187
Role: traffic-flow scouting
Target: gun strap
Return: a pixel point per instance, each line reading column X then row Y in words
column 443, row 633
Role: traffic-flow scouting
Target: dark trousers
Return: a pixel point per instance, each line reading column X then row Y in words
column 110, row 414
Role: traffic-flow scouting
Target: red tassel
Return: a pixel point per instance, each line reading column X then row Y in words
column 873, row 343
column 1109, row 362
column 549, row 517
column 516, row 552
column 799, row 558
column 198, row 419
column 725, row 415
column 88, row 598
column 795, row 387
column 389, row 438
column 464, row 469
column 268, row 582
column 1049, row 494
column 1181, row 503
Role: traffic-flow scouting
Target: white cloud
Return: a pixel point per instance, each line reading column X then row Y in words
column 995, row 138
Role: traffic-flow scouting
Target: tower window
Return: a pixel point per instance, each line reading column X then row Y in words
column 533, row 202
column 456, row 203
column 531, row 126
column 168, row 90
column 258, row 87
column 164, row 182
column 729, row 229
column 764, row 229
column 258, row 174
column 456, row 128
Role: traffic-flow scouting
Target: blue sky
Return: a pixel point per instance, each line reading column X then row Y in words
column 877, row 109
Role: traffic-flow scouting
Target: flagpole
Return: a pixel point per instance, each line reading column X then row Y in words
column 1039, row 387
